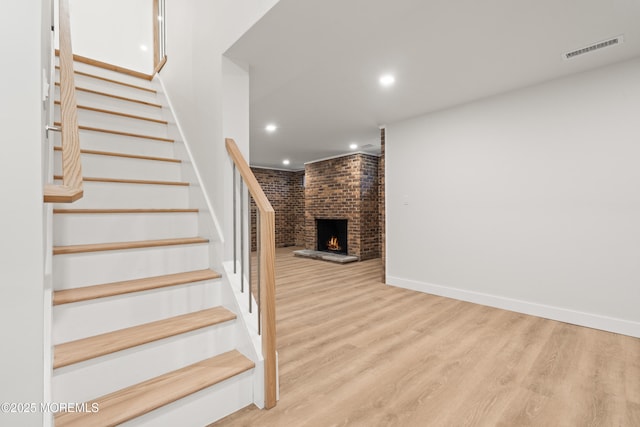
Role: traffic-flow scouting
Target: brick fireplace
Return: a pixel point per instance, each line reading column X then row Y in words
column 344, row 188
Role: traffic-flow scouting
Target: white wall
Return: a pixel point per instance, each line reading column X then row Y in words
column 22, row 43
column 527, row 201
column 198, row 34
column 235, row 121
column 113, row 31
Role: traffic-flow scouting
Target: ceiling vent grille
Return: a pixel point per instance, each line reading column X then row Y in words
column 600, row 45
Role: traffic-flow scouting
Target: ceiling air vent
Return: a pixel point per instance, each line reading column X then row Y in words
column 600, row 45
column 367, row 146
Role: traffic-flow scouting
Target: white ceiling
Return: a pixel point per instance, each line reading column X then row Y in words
column 315, row 64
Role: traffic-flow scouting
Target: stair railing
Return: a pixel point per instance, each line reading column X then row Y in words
column 159, row 36
column 71, row 188
column 265, row 292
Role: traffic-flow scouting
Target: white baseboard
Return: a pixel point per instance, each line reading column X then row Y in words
column 590, row 320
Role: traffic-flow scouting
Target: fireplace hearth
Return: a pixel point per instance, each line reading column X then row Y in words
column 332, row 236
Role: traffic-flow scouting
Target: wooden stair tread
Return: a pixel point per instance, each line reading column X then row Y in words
column 88, row 348
column 61, row 194
column 125, row 155
column 117, row 113
column 99, row 247
column 139, row 399
column 128, row 181
column 86, row 293
column 117, row 132
column 82, row 73
column 122, row 211
column 110, row 95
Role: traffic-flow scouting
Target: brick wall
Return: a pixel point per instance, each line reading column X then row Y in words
column 345, row 188
column 297, row 207
column 369, row 208
column 381, row 205
column 286, row 194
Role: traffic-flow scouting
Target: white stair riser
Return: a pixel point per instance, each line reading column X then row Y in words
column 99, row 195
column 79, row 229
column 99, row 71
column 94, row 268
column 202, row 408
column 115, row 122
column 79, row 66
column 103, row 86
column 100, row 376
column 110, row 103
column 87, row 318
column 90, row 140
column 95, row 165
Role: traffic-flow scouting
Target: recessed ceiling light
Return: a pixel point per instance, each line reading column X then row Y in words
column 286, row 162
column 143, row 48
column 353, row 146
column 387, row 80
column 271, row 128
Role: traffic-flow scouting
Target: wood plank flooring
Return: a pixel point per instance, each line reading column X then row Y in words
column 355, row 352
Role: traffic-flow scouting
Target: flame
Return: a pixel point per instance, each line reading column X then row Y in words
column 332, row 244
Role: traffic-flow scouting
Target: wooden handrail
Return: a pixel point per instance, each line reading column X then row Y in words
column 71, row 188
column 267, row 272
column 159, row 54
column 156, row 33
column 160, row 65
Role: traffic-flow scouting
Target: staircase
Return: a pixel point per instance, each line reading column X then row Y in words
column 145, row 329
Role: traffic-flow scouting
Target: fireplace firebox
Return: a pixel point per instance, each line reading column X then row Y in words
column 332, row 235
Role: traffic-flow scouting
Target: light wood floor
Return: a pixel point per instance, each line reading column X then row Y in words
column 354, row 352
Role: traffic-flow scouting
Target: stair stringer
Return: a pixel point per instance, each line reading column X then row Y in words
column 248, row 340
column 250, row 322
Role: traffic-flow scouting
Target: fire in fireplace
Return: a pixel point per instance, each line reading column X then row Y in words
column 333, row 244
column 332, row 235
